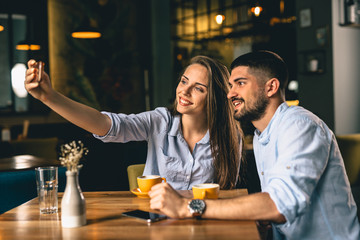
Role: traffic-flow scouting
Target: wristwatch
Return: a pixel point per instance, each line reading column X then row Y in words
column 196, row 207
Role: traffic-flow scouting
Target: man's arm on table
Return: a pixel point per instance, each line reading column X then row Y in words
column 258, row 206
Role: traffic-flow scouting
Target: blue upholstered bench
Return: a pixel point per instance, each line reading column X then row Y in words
column 20, row 186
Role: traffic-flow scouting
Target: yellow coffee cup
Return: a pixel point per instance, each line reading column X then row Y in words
column 206, row 190
column 145, row 183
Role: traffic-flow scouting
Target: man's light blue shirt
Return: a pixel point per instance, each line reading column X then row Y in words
column 168, row 153
column 300, row 166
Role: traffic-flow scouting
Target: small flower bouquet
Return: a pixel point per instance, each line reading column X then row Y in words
column 71, row 154
column 73, row 205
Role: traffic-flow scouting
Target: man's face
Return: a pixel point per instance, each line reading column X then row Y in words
column 248, row 97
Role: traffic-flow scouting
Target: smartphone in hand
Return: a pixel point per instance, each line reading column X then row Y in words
column 40, row 65
column 148, row 216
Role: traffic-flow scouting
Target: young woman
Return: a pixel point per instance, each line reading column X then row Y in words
column 197, row 141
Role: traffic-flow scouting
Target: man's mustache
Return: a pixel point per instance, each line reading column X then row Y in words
column 237, row 99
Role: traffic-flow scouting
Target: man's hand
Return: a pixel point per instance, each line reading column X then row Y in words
column 167, row 200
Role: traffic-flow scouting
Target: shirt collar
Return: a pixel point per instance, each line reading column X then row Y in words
column 175, row 126
column 176, row 130
column 206, row 138
column 264, row 137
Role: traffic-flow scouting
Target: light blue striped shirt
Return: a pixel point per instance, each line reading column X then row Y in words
column 168, row 154
column 300, row 166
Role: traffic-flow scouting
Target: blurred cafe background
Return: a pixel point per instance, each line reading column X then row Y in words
column 133, row 62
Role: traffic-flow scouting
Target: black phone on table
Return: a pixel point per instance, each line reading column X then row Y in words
column 148, row 216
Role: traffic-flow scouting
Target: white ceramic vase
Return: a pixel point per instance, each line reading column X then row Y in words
column 73, row 206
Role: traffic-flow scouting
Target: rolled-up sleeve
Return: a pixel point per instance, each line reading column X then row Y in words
column 134, row 127
column 304, row 149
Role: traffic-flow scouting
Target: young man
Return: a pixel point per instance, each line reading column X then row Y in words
column 305, row 190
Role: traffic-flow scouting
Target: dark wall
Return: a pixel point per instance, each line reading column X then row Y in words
column 316, row 88
column 105, row 167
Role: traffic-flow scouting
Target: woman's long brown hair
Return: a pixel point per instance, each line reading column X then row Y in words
column 225, row 131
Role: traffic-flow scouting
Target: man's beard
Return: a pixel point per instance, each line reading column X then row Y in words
column 253, row 112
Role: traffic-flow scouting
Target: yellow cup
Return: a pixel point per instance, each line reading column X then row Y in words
column 206, row 190
column 145, row 183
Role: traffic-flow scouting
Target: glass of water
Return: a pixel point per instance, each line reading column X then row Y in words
column 47, row 188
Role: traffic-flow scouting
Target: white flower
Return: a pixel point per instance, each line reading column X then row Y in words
column 71, row 154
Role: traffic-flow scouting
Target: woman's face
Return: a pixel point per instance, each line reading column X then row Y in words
column 192, row 90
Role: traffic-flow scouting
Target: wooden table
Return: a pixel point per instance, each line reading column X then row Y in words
column 104, row 221
column 25, row 162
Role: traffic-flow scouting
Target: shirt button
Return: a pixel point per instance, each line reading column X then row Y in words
column 188, row 177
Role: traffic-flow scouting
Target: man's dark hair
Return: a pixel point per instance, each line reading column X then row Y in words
column 268, row 63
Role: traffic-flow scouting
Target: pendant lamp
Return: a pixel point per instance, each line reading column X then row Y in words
column 29, row 44
column 256, row 10
column 87, row 30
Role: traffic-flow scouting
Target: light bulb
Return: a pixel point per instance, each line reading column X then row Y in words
column 219, row 19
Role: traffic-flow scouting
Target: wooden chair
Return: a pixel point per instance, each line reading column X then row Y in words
column 133, row 172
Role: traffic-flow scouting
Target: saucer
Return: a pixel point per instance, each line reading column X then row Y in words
column 140, row 194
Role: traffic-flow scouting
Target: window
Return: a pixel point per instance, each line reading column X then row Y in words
column 12, row 96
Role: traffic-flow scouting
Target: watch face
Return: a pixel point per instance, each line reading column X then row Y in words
column 197, row 206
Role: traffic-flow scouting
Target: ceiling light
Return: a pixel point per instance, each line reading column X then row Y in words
column 85, row 33
column 86, row 30
column 29, row 44
column 219, row 18
column 256, row 10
